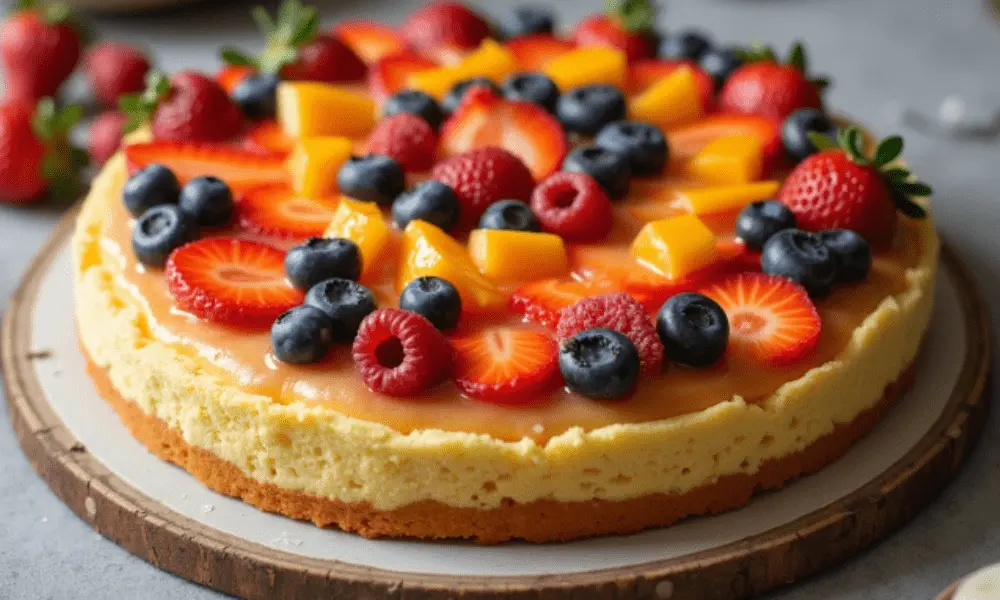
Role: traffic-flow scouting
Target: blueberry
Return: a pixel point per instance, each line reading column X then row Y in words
column 687, row 44
column 599, row 363
column 434, row 298
column 694, row 329
column 526, row 20
column 318, row 259
column 644, row 144
column 587, row 109
column 372, row 178
column 302, row 335
column 257, row 96
column 760, row 220
column 797, row 127
column 532, row 87
column 610, row 169
column 417, row 103
column 431, row 201
column 208, row 200
column 850, row 251
column 150, row 186
column 457, row 92
column 346, row 302
column 720, row 63
column 159, row 231
column 513, row 215
column 802, row 257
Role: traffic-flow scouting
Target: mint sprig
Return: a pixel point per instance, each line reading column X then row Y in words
column 294, row 26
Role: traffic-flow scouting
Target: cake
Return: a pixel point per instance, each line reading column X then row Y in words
column 590, row 292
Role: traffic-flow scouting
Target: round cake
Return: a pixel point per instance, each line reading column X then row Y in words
column 591, row 291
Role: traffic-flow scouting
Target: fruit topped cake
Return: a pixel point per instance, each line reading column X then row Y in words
column 459, row 279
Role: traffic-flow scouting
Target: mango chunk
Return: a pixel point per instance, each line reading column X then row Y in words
column 672, row 101
column 363, row 224
column 310, row 109
column 517, row 256
column 675, row 247
column 728, row 198
column 314, row 163
column 588, row 66
column 490, row 60
column 731, row 159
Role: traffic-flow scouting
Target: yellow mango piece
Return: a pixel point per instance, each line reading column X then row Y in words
column 708, row 200
column 429, row 251
column 314, row 163
column 309, row 109
column 588, row 66
column 671, row 101
column 675, row 247
column 731, row 159
column 363, row 224
column 490, row 60
column 515, row 256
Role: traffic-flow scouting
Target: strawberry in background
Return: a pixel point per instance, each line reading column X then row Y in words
column 113, row 69
column 105, row 136
column 767, row 87
column 35, row 153
column 442, row 25
column 39, row 48
column 626, row 25
column 186, row 106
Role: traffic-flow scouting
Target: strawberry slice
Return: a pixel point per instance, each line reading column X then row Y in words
column 370, row 40
column 542, row 301
column 239, row 168
column 233, row 282
column 390, row 74
column 532, row 52
column 644, row 73
column 524, row 129
column 268, row 137
column 506, row 365
column 688, row 140
column 771, row 319
column 275, row 210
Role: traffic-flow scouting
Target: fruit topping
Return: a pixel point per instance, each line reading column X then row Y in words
column 670, row 102
column 802, row 257
column 727, row 198
column 531, row 87
column 688, row 140
column 207, row 200
column 850, row 251
column 506, row 365
column 483, row 176
column 430, row 201
column 240, row 283
column 231, row 75
column 391, row 74
column 760, row 220
column 586, row 110
column 516, row 256
column 687, row 44
column 239, row 168
column 626, row 25
column 150, row 186
column 457, row 93
column 104, row 136
column 610, row 169
column 113, row 69
column 370, row 40
column 39, row 47
column 372, row 178
column 693, row 328
column 275, row 210
column 490, row 60
column 187, row 106
column 407, row 138
column 675, row 247
column 400, row 353
column 302, row 335
column 720, row 63
column 643, row 144
column 362, row 223
column 442, row 23
column 617, row 312
column 534, row 52
column 771, row 319
column 257, row 95
column 599, row 364
column 315, row 162
column 318, row 259
column 435, row 299
column 796, row 128
column 733, row 159
column 645, row 73
column 573, row 206
column 267, row 138
column 588, row 67
column 414, row 102
column 304, row 110
column 842, row 188
column 159, row 231
column 527, row 20
column 345, row 302
column 763, row 86
column 543, row 301
column 512, row 215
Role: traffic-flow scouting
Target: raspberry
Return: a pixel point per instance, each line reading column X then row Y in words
column 619, row 312
column 400, row 353
column 573, row 206
column 483, row 176
column 406, row 138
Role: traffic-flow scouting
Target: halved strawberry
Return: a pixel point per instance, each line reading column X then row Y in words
column 644, row 73
column 230, row 281
column 267, row 137
column 369, row 39
column 771, row 319
column 239, row 168
column 688, row 140
column 542, row 301
column 532, row 52
column 524, row 129
column 390, row 73
column 275, row 210
column 506, row 365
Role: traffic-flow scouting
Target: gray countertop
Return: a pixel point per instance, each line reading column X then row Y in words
column 880, row 52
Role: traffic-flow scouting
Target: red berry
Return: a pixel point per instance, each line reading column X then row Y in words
column 400, row 353
column 607, row 30
column 621, row 313
column 573, row 206
column 406, row 138
column 481, row 177
column 114, row 69
column 506, row 365
column 38, row 53
column 444, row 24
column 23, row 151
column 241, row 169
column 105, row 136
column 325, row 59
column 768, row 89
column 196, row 108
column 275, row 210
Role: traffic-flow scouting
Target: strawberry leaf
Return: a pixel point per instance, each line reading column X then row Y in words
column 896, row 174
column 263, row 20
column 56, row 13
column 307, row 28
column 633, row 15
column 888, row 150
column 821, row 141
column 915, row 188
column 43, row 121
column 909, row 207
column 797, row 57
column 232, row 56
column 138, row 108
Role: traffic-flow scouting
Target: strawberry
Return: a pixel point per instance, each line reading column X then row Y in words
column 275, row 210
column 644, row 73
column 842, row 188
column 239, row 168
column 39, row 48
column 267, row 137
column 35, row 154
column 771, row 319
column 524, row 129
column 296, row 49
column 532, row 52
column 114, row 69
column 230, row 76
column 763, row 86
column 105, row 137
column 688, row 140
column 406, row 138
column 390, row 74
column 187, row 106
column 240, row 283
column 619, row 312
column 400, row 353
column 447, row 24
column 626, row 25
column 506, row 365
column 481, row 177
column 370, row 40
column 542, row 301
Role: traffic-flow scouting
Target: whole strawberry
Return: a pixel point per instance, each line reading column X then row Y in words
column 841, row 188
column 39, row 48
column 35, row 154
column 187, row 106
column 766, row 87
column 483, row 176
column 114, row 69
column 105, row 136
column 626, row 25
column 444, row 25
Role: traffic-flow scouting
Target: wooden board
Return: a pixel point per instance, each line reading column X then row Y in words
column 185, row 547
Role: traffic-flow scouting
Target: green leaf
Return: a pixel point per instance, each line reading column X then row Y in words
column 67, row 119
column 914, row 188
column 797, row 57
column 55, row 13
column 820, row 83
column 129, row 103
column 132, row 123
column 263, row 20
column 888, row 150
column 896, row 174
column 25, row 4
column 821, row 141
column 634, row 15
column 232, row 56
column 288, row 20
column 909, row 207
column 307, row 28
column 44, row 120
